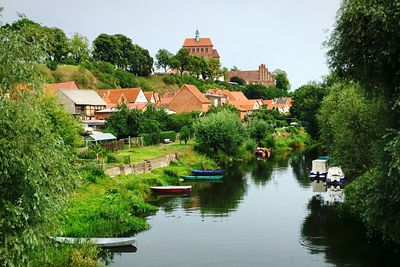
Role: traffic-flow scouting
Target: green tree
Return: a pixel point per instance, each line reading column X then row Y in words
column 259, row 129
column 124, row 122
column 238, row 80
column 306, row 102
column 185, row 134
column 197, row 66
column 78, row 49
column 220, row 133
column 36, row 155
column 281, row 80
column 163, row 59
column 181, row 60
column 214, row 68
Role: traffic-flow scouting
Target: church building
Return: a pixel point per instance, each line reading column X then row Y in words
column 200, row 46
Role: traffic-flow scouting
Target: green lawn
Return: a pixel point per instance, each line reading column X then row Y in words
column 139, row 154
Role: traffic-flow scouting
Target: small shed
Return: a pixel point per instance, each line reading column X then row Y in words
column 99, row 137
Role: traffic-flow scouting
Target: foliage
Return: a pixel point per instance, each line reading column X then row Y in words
column 366, row 53
column 164, row 58
column 259, row 129
column 181, row 60
column 124, row 123
column 306, row 102
column 78, row 49
column 238, row 80
column 185, row 134
column 221, row 132
column 259, row 91
column 18, row 62
column 121, row 52
column 171, row 135
column 281, row 80
column 350, row 125
column 36, row 175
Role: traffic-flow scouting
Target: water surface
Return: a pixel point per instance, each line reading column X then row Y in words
column 265, row 213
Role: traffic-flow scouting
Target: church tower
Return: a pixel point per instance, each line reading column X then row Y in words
column 197, row 35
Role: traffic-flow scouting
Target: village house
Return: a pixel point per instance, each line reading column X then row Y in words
column 200, row 47
column 188, row 99
column 133, row 98
column 260, row 76
column 282, row 104
column 81, row 103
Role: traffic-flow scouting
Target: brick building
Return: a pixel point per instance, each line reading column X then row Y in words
column 188, row 99
column 261, row 76
column 200, row 47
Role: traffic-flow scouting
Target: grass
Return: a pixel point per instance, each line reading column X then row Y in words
column 140, row 154
column 108, row 207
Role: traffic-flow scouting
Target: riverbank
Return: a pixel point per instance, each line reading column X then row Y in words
column 109, row 207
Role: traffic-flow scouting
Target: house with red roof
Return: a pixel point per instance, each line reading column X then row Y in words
column 132, row 97
column 188, row 98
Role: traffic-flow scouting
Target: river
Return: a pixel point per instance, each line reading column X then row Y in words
column 265, row 213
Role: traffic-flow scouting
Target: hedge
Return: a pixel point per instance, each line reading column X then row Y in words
column 171, row 135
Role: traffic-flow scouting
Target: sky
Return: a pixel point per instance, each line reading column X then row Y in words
column 282, row 34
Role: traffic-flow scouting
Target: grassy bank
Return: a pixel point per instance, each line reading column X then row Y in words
column 291, row 138
column 107, row 207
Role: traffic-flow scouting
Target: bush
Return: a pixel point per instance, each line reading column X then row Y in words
column 171, row 135
column 88, row 154
column 111, row 159
column 147, row 139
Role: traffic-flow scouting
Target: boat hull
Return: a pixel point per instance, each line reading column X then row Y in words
column 171, row 189
column 102, row 242
column 207, row 172
column 315, row 177
column 195, row 177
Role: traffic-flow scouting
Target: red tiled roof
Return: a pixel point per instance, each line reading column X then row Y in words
column 113, row 96
column 166, row 100
column 148, row 96
column 193, row 89
column 190, row 42
column 138, row 106
column 53, row 88
column 268, row 101
column 243, row 104
column 232, row 96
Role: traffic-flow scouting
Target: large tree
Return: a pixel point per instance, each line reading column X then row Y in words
column 281, row 80
column 181, row 60
column 37, row 141
column 220, row 133
column 122, row 53
column 163, row 58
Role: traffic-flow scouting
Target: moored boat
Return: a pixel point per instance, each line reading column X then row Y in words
column 207, row 172
column 335, row 176
column 106, row 242
column 319, row 170
column 201, row 177
column 175, row 189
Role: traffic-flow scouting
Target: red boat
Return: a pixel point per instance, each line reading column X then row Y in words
column 172, row 189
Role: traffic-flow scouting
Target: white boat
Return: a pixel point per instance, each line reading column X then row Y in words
column 106, row 242
column 335, row 176
column 319, row 169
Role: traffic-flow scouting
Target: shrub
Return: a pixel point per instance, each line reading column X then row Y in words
column 111, row 159
column 171, row 135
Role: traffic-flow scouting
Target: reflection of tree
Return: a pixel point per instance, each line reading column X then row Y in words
column 281, row 159
column 220, row 199
column 261, row 170
column 301, row 165
column 168, row 202
column 342, row 241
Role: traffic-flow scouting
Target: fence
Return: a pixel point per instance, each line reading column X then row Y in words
column 114, row 145
column 142, row 167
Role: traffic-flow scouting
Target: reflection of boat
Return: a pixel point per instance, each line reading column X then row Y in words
column 171, row 189
column 319, row 169
column 209, row 177
column 335, row 176
column 106, row 242
column 263, row 153
column 123, row 249
column 207, row 172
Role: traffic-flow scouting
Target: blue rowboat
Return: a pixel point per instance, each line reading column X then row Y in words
column 207, row 172
column 202, row 177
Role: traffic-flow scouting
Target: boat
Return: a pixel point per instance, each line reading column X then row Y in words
column 319, row 170
column 335, row 176
column 263, row 153
column 201, row 177
column 105, row 242
column 207, row 172
column 172, row 189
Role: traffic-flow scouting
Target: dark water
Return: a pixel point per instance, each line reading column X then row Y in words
column 265, row 213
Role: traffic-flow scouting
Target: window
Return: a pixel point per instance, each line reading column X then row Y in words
column 207, row 50
column 197, row 50
column 202, row 49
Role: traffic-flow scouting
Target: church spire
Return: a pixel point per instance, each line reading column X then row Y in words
column 197, row 35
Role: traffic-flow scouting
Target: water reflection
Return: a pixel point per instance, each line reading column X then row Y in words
column 301, row 166
column 342, row 241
